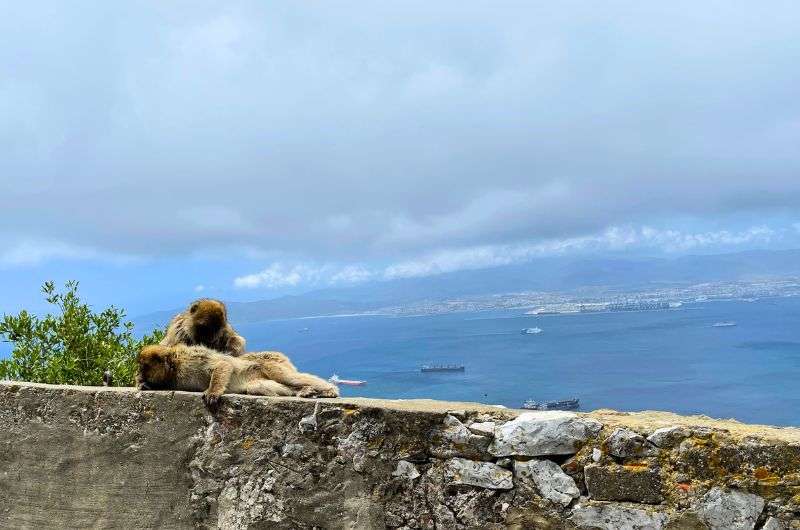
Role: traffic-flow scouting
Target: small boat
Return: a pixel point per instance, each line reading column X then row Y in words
column 304, row 330
column 348, row 382
column 562, row 404
column 531, row 331
column 441, row 368
column 724, row 324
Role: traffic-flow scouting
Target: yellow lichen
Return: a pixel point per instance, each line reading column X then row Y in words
column 764, row 476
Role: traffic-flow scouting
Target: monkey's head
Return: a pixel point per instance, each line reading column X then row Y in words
column 208, row 318
column 157, row 366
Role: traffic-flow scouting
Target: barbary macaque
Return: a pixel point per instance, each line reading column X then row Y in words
column 198, row 368
column 205, row 323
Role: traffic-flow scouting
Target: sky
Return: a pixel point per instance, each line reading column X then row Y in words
column 160, row 151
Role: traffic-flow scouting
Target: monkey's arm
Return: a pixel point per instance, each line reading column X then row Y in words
column 235, row 344
column 220, row 377
column 141, row 384
column 175, row 333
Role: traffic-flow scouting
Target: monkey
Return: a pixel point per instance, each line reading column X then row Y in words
column 279, row 368
column 205, row 323
column 197, row 368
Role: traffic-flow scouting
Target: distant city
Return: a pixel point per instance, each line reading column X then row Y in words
column 599, row 300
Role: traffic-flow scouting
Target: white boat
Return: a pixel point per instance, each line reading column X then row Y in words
column 531, row 331
column 336, row 380
column 725, row 324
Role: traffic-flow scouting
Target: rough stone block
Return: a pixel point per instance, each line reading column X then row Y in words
column 724, row 509
column 624, row 443
column 623, row 483
column 460, row 471
column 549, row 479
column 615, row 517
column 668, row 437
column 543, row 433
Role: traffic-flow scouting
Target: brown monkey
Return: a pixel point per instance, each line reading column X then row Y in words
column 204, row 323
column 279, row 368
column 199, row 368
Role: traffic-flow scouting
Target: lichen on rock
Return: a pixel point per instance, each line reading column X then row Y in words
column 117, row 458
column 624, row 443
column 624, row 483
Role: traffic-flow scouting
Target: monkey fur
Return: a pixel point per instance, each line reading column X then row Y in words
column 197, row 368
column 205, row 323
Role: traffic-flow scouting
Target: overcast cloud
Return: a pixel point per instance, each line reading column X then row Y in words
column 393, row 139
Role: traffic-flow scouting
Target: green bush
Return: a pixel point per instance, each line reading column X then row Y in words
column 75, row 346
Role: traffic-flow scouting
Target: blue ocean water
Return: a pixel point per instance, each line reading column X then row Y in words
column 660, row 360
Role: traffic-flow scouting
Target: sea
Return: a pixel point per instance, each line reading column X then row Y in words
column 673, row 360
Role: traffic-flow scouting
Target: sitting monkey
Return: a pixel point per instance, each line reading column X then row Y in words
column 204, row 323
column 197, row 368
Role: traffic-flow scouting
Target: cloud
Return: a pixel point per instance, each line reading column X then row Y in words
column 199, row 288
column 279, row 275
column 615, row 239
column 676, row 241
column 351, row 274
column 323, row 133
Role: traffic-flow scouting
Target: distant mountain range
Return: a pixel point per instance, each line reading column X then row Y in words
column 546, row 274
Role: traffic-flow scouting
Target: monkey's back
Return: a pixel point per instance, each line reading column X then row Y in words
column 195, row 364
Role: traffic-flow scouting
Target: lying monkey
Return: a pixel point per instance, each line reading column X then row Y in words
column 197, row 368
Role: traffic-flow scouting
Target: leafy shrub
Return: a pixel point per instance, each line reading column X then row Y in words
column 75, row 346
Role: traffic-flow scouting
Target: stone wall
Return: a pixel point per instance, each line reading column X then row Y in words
column 76, row 457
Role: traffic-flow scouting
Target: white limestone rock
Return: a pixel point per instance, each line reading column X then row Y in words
column 624, row 443
column 723, row 509
column 406, row 470
column 460, row 471
column 550, row 480
column 773, row 524
column 454, row 431
column 308, row 424
column 668, row 437
column 616, row 517
column 454, row 439
column 483, row 428
column 543, row 433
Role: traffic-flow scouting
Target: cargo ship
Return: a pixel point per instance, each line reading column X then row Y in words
column 442, row 368
column 562, row 404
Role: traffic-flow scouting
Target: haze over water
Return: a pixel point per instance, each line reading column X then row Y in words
column 661, row 360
